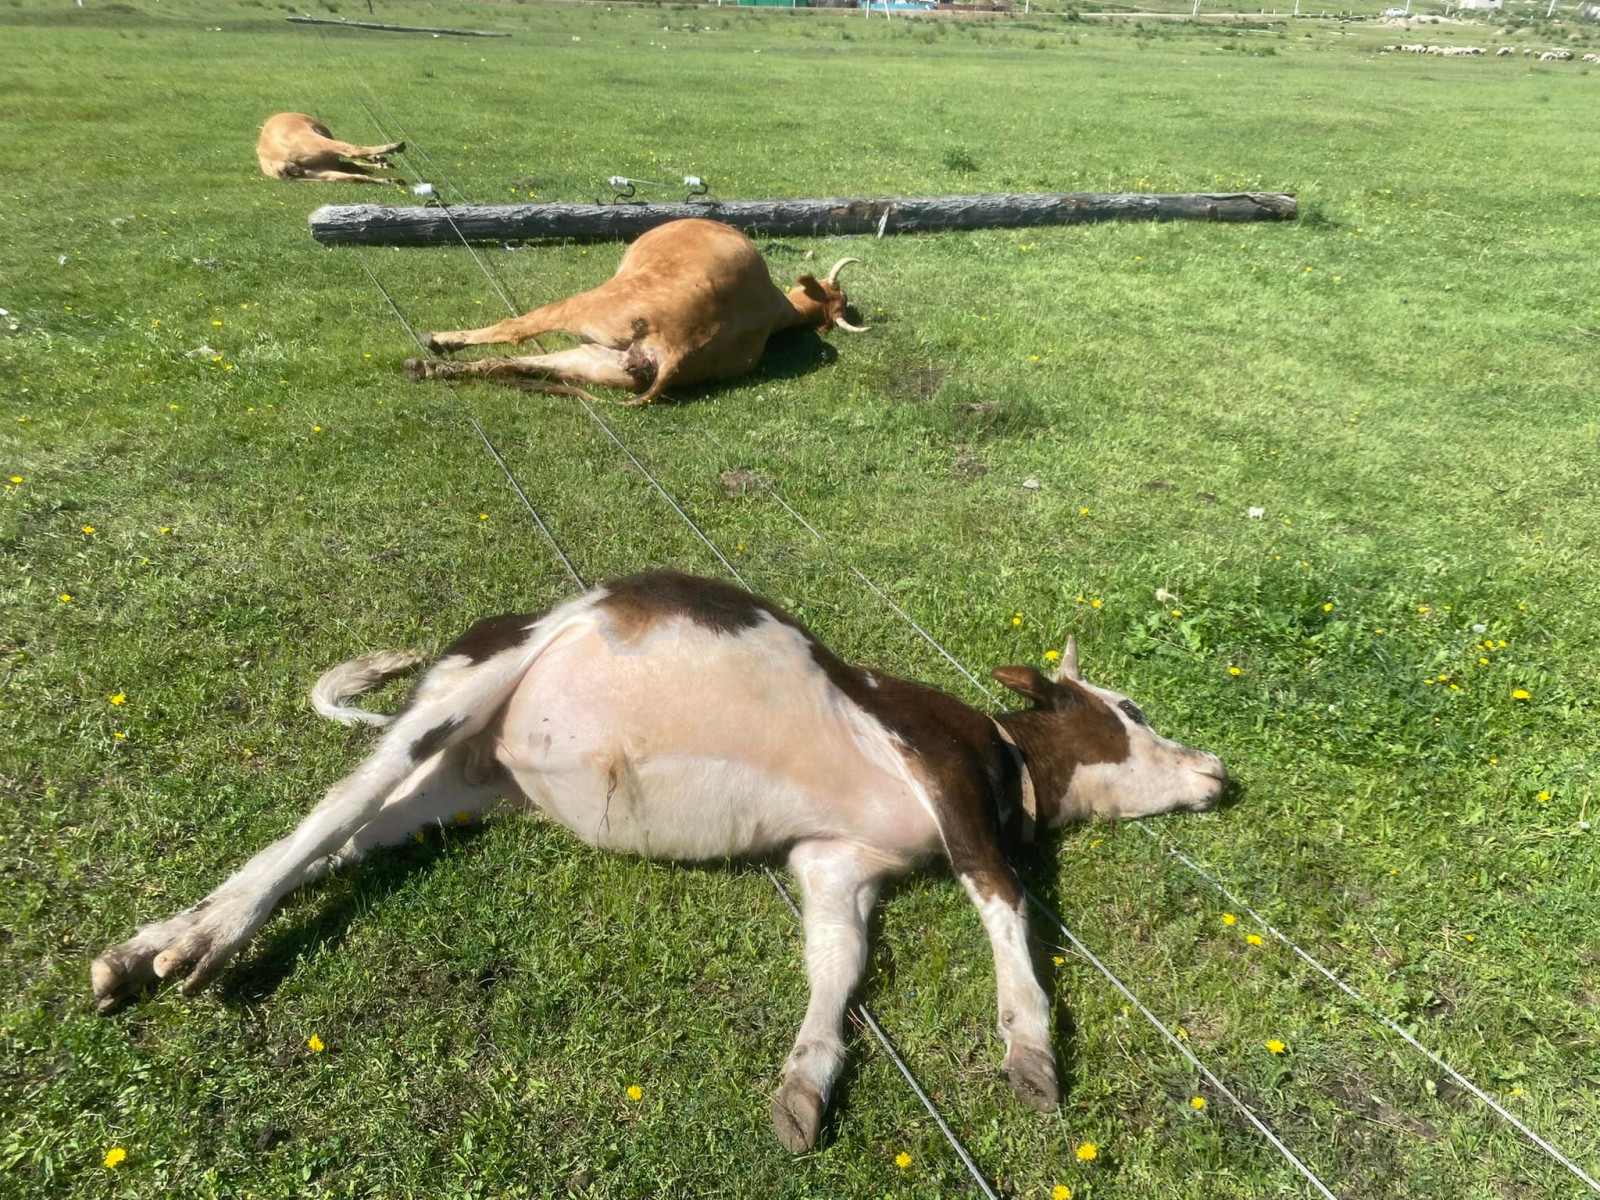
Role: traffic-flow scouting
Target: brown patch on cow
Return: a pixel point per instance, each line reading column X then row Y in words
column 635, row 605
column 1072, row 727
column 491, row 635
column 742, row 482
column 968, row 466
column 433, row 741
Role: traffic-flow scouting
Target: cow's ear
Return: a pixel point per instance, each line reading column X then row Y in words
column 1026, row 681
column 812, row 288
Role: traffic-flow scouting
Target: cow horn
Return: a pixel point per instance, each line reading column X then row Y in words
column 849, row 328
column 1069, row 661
column 833, row 275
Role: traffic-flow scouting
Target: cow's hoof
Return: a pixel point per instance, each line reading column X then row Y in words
column 417, row 369
column 797, row 1114
column 1031, row 1071
column 120, row 974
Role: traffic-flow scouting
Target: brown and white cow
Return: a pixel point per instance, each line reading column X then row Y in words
column 296, row 147
column 681, row 718
column 691, row 301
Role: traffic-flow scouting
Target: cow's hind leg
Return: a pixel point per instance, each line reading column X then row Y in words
column 840, row 883
column 452, row 704
column 588, row 364
column 350, row 174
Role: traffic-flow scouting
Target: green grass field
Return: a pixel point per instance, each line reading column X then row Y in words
column 1404, row 379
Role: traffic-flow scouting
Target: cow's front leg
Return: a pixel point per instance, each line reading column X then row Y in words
column 1030, row 1063
column 839, row 883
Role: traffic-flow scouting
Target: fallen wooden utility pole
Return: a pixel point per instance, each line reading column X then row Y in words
column 394, row 225
column 394, row 28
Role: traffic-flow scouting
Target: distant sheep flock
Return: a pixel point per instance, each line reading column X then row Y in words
column 1503, row 52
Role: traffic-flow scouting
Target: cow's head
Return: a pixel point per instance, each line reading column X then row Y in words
column 1092, row 753
column 823, row 301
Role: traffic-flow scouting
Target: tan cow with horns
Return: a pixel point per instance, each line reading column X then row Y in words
column 682, row 718
column 691, row 301
column 299, row 148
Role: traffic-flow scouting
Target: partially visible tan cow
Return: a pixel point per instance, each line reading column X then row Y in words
column 297, row 147
column 691, row 301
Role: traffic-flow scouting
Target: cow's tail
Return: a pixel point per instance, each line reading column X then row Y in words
column 348, row 679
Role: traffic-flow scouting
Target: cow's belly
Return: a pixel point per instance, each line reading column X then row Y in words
column 699, row 745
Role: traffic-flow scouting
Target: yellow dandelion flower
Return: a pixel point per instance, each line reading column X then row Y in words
column 1083, row 512
column 483, row 516
column 902, row 1160
column 1275, row 1046
column 1058, row 960
column 16, row 479
column 166, row 529
column 635, row 1092
column 66, row 597
column 316, row 429
column 463, row 817
column 315, row 1044
column 89, row 529
column 1516, row 1091
column 119, row 736
column 1197, row 1103
column 118, row 699
column 1061, row 1192
column 1228, row 918
column 1544, row 797
column 1234, row 671
column 1177, row 612
column 1327, row 608
column 1016, row 620
column 1088, row 1152
column 1483, row 662
column 214, row 323
column 1519, row 694
column 1052, row 655
column 1094, row 604
column 1253, row 938
column 114, row 1156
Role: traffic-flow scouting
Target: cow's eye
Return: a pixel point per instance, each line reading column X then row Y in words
column 1132, row 709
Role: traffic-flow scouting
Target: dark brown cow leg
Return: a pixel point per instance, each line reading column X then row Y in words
column 840, row 884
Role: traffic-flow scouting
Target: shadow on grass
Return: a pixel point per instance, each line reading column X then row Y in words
column 325, row 918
